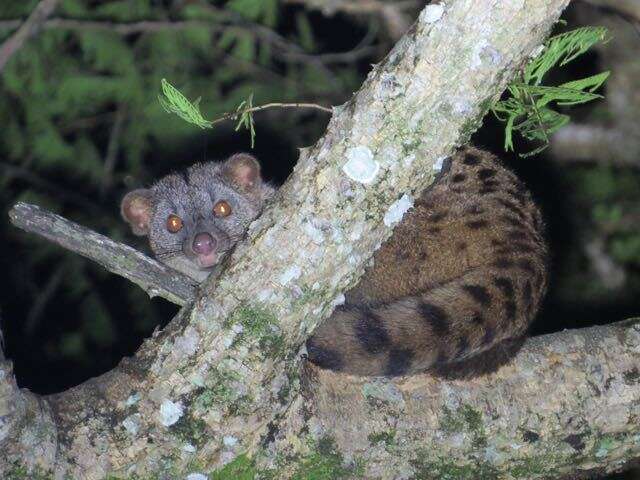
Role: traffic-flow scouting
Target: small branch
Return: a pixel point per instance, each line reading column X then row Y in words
column 594, row 143
column 43, row 298
column 153, row 277
column 235, row 115
column 29, row 28
column 112, row 151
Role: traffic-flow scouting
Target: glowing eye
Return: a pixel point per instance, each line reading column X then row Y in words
column 174, row 223
column 222, row 209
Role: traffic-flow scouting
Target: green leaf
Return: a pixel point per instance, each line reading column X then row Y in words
column 175, row 102
column 562, row 49
column 527, row 108
column 305, row 32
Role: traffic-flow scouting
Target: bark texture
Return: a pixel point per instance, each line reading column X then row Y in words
column 218, row 381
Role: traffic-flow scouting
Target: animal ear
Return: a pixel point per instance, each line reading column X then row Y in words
column 136, row 210
column 242, row 170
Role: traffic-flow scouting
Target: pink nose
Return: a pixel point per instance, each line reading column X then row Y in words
column 204, row 243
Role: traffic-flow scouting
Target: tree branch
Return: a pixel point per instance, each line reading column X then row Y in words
column 29, row 28
column 152, row 276
column 209, row 386
column 568, row 404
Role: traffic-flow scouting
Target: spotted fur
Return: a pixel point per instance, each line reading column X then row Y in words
column 454, row 289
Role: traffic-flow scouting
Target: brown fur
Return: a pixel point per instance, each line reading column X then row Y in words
column 455, row 287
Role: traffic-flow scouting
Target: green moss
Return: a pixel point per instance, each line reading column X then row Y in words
column 604, row 445
column 242, row 468
column 220, row 391
column 387, row 437
column 258, row 323
column 632, row 377
column 325, row 463
column 465, row 419
column 191, row 430
column 20, row 472
column 531, row 467
column 449, row 422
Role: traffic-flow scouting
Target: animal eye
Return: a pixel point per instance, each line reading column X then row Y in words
column 222, row 209
column 174, row 223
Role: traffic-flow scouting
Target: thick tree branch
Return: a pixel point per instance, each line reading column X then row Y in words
column 208, row 386
column 568, row 404
column 152, row 276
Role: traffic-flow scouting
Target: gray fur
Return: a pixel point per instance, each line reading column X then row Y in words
column 191, row 195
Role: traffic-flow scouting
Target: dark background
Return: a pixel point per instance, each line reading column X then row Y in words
column 81, row 125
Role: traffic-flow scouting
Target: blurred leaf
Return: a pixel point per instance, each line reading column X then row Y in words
column 305, row 32
column 72, row 345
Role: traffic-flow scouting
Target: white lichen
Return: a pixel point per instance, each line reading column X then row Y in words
column 360, row 166
column 187, row 344
column 196, row 476
column 437, row 166
column 314, row 233
column 187, row 447
column 132, row 424
column 432, row 13
column 264, row 295
column 291, row 273
column 408, row 160
column 476, row 59
column 229, row 441
column 397, row 210
column 357, row 232
column 132, row 399
column 170, row 412
column 197, row 379
column 339, row 300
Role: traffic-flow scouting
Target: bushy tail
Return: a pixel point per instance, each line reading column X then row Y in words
column 483, row 310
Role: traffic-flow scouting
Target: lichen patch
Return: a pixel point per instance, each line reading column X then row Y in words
column 432, row 13
column 397, row 210
column 170, row 412
column 360, row 166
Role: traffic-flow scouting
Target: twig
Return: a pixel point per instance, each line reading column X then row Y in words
column 152, row 276
column 234, row 115
column 44, row 296
column 30, row 27
column 112, row 151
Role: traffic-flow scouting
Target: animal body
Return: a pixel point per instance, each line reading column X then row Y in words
column 453, row 291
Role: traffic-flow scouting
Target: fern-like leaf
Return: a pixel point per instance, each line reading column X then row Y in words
column 527, row 109
column 175, row 102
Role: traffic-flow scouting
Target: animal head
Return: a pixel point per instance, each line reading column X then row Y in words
column 194, row 217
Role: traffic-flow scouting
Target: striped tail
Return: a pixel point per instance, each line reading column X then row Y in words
column 480, row 316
